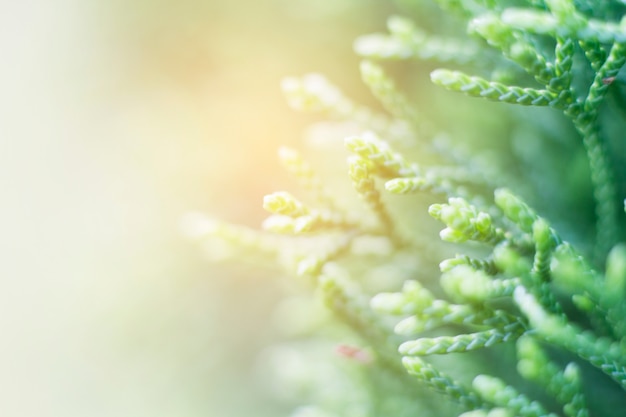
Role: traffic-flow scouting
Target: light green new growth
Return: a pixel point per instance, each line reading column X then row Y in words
column 496, row 392
column 479, row 87
column 406, row 41
column 441, row 382
column 526, row 272
column 451, row 344
column 465, row 222
column 386, row 162
column 466, row 284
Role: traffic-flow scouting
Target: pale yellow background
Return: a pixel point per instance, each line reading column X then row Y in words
column 115, row 119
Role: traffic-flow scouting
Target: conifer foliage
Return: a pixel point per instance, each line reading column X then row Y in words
column 540, row 321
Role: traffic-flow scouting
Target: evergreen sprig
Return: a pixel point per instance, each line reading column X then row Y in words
column 515, row 276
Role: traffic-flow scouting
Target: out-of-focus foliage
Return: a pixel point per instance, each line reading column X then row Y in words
column 116, row 118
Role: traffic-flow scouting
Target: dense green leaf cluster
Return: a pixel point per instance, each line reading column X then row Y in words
column 515, row 280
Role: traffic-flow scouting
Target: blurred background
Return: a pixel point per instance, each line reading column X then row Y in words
column 116, row 118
